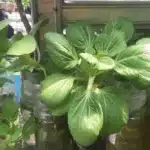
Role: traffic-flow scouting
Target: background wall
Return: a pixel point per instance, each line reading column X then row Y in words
column 46, row 10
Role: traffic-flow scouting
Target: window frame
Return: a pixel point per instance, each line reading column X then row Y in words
column 106, row 2
column 98, row 13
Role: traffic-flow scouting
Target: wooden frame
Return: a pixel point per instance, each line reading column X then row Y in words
column 98, row 13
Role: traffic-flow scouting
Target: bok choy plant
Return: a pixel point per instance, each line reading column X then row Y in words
column 89, row 67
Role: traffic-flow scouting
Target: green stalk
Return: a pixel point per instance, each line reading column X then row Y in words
column 90, row 84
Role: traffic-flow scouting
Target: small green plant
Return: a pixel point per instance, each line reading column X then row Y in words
column 11, row 130
column 14, row 57
column 89, row 66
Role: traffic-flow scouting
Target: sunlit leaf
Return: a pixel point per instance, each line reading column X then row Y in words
column 16, row 37
column 60, row 50
column 55, row 89
column 110, row 44
column 122, row 24
column 24, row 46
column 81, row 36
column 132, row 62
column 85, row 118
column 97, row 64
column 115, row 109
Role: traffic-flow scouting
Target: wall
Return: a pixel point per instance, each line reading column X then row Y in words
column 46, row 10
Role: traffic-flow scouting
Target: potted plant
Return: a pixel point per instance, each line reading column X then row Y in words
column 90, row 73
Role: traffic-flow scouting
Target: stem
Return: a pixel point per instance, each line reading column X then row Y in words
column 23, row 15
column 90, row 83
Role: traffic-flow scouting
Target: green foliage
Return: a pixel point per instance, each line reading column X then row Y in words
column 115, row 109
column 61, row 51
column 10, row 129
column 91, row 68
column 29, row 128
column 78, row 88
column 3, row 37
column 17, row 50
column 84, row 42
column 50, row 87
column 95, row 65
column 4, row 129
column 122, row 24
column 110, row 44
column 10, row 110
column 85, row 117
column 24, row 46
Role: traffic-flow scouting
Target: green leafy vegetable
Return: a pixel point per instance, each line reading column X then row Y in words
column 24, row 46
column 145, row 42
column 16, row 37
column 115, row 109
column 143, row 80
column 55, row 89
column 62, row 109
column 110, row 44
column 61, row 51
column 97, row 64
column 4, row 129
column 81, row 36
column 132, row 62
column 24, row 62
column 29, row 128
column 122, row 24
column 85, row 117
column 16, row 135
column 10, row 110
column 91, row 69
